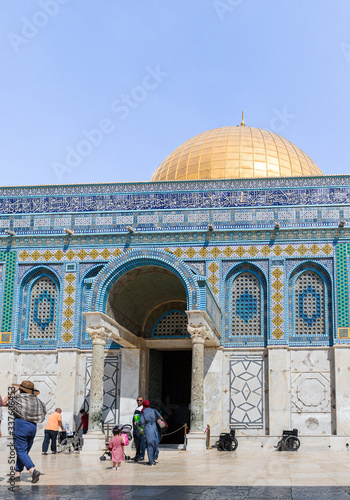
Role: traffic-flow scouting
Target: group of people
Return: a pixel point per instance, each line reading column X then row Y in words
column 28, row 410
column 146, row 435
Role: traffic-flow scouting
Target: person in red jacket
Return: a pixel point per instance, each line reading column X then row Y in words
column 84, row 421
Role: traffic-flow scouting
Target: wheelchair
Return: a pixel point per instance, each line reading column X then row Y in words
column 71, row 443
column 227, row 441
column 289, row 441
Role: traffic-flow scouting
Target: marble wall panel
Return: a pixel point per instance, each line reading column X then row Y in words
column 213, row 390
column 311, row 391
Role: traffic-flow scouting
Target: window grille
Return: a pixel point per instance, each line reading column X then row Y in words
column 42, row 321
column 173, row 323
column 309, row 303
column 246, row 305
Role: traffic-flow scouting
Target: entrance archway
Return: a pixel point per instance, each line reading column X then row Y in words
column 150, row 301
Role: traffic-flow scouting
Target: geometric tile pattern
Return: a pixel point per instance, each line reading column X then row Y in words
column 185, row 252
column 277, row 304
column 342, row 284
column 42, row 318
column 213, row 273
column 110, row 389
column 309, row 304
column 8, row 291
column 246, row 391
column 68, row 306
column 173, row 323
column 246, row 305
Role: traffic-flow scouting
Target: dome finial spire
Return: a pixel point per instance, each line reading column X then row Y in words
column 242, row 124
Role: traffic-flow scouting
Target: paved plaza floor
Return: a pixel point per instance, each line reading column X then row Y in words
column 183, row 476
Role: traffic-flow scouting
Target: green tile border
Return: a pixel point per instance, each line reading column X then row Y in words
column 7, row 307
column 342, row 249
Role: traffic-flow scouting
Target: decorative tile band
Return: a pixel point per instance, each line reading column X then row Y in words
column 277, row 302
column 7, row 307
column 342, row 284
column 192, row 252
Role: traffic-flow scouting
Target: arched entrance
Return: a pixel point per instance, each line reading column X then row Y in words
column 150, row 301
column 146, row 294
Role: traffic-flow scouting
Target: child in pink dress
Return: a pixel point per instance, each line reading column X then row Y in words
column 116, row 446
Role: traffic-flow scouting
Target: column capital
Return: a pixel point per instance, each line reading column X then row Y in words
column 98, row 334
column 198, row 333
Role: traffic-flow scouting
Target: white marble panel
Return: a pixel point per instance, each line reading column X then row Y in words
column 342, row 385
column 310, row 360
column 312, row 423
column 279, row 390
column 129, row 383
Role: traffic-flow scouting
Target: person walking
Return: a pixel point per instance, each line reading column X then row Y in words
column 84, row 421
column 152, row 434
column 28, row 411
column 53, row 425
column 116, row 446
column 138, row 435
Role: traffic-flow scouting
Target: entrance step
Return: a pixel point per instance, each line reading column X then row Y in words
column 166, row 449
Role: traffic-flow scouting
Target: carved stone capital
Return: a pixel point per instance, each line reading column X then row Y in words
column 98, row 334
column 198, row 333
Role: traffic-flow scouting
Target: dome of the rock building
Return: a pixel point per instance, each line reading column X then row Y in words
column 236, row 152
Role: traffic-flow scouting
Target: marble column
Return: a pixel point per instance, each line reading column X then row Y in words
column 196, row 437
column 94, row 439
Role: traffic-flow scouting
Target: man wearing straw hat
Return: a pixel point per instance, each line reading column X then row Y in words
column 28, row 410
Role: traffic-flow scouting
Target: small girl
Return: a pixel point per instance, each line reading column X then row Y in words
column 116, row 446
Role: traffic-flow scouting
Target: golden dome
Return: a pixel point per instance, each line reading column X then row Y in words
column 236, row 152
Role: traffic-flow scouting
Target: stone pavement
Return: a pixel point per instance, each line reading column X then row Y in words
column 181, row 475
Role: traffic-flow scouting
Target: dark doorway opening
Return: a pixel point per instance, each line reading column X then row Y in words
column 171, row 393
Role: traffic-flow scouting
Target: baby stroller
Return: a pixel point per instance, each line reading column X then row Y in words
column 127, row 430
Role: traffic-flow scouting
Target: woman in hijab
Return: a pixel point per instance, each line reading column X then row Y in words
column 152, row 434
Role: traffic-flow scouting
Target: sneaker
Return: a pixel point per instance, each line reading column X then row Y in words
column 113, row 468
column 44, row 453
column 35, row 476
column 53, row 452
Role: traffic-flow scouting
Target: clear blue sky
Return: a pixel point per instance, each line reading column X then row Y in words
column 150, row 74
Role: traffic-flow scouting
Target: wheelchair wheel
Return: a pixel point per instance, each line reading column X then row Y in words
column 220, row 446
column 292, row 443
column 234, row 444
column 67, row 446
column 228, row 444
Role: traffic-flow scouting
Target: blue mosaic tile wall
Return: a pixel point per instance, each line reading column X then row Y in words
column 171, row 222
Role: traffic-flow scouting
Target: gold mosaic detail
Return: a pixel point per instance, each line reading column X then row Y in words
column 240, row 251
column 70, row 278
column 47, row 255
column 277, row 309
column 192, row 252
column 94, row 254
column 67, row 337
column 105, row 253
column 253, row 251
column 277, row 333
column 82, row 254
column 68, row 301
column 213, row 267
column 277, row 273
column 24, row 255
